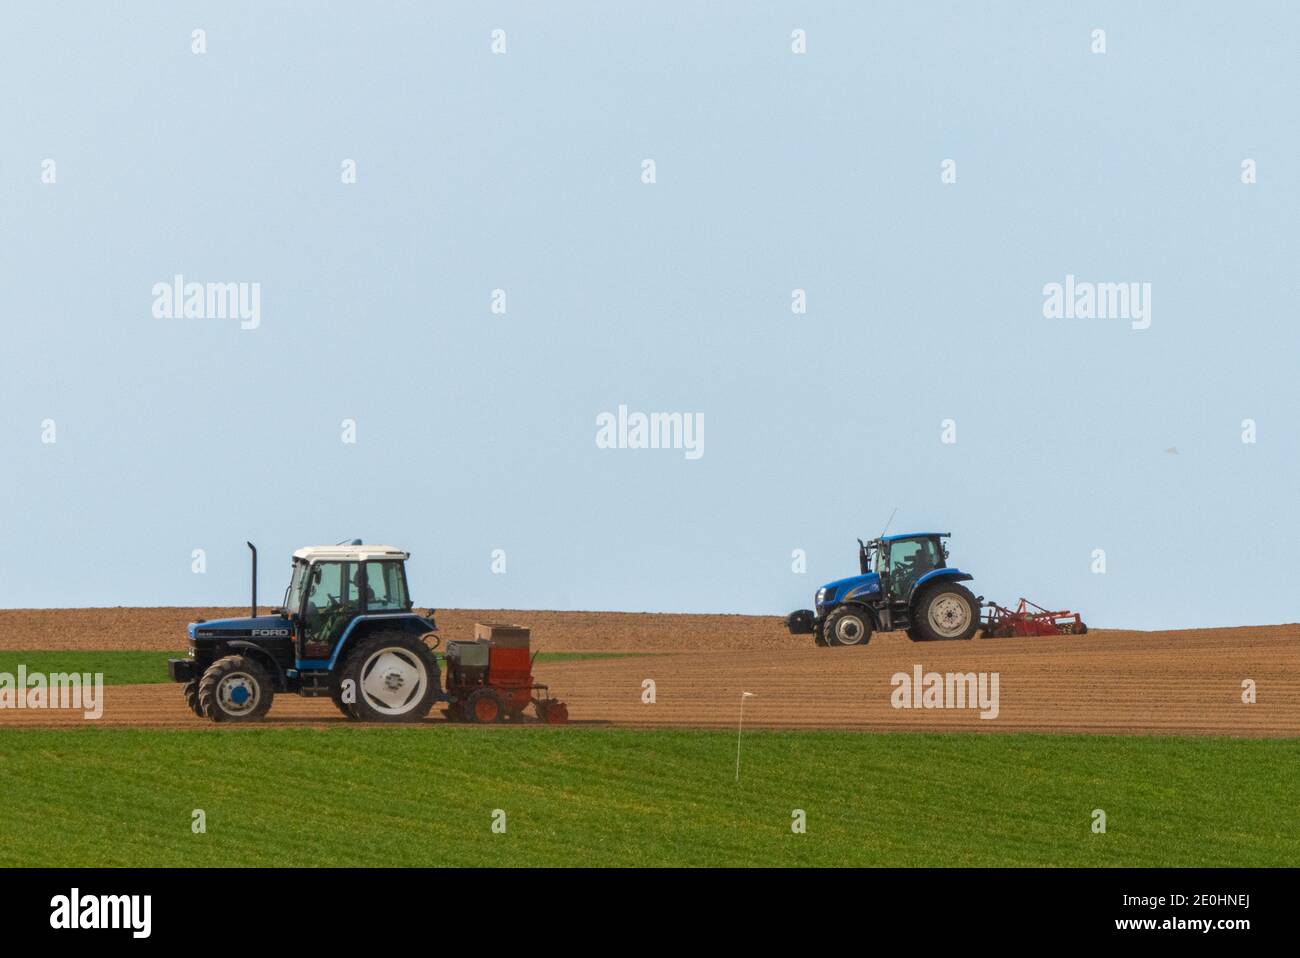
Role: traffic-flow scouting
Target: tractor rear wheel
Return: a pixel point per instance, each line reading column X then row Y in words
column 395, row 676
column 336, row 696
column 847, row 626
column 943, row 611
column 485, row 707
column 235, row 689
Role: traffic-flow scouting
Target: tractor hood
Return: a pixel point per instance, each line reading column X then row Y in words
column 246, row 627
column 855, row 586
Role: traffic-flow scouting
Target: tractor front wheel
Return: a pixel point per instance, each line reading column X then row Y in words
column 235, row 689
column 945, row 611
column 191, row 691
column 819, row 634
column 395, row 677
column 847, row 626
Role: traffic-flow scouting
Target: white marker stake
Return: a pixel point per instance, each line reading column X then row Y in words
column 741, row 728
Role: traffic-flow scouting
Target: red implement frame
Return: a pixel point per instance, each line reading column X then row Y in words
column 1030, row 619
column 509, row 678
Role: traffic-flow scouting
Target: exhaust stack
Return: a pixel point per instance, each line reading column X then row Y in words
column 254, row 603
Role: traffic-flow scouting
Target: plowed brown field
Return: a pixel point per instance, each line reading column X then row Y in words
column 163, row 630
column 1182, row 683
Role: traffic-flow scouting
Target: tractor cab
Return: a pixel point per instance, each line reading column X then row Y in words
column 332, row 585
column 904, row 560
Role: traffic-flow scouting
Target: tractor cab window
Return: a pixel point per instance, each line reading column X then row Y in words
column 387, row 587
column 909, row 559
column 297, row 585
column 332, row 599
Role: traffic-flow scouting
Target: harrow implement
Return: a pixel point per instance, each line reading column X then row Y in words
column 1028, row 618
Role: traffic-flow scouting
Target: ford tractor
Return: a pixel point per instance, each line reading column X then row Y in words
column 346, row 630
column 904, row 582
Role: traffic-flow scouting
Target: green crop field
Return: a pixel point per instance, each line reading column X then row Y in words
column 143, row 668
column 119, row 668
column 586, row 796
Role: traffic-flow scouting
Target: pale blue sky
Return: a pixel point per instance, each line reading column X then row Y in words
column 775, row 172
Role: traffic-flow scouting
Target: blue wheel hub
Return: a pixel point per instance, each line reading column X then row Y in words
column 239, row 695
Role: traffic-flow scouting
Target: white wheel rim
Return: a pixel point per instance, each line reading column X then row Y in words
column 393, row 681
column 949, row 614
column 850, row 630
column 238, row 693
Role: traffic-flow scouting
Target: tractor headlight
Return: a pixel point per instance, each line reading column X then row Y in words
column 823, row 594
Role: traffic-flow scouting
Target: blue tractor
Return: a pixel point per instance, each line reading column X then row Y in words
column 904, row 582
column 346, row 629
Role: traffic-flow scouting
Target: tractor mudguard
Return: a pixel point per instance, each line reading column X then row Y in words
column 868, row 612
column 871, row 612
column 357, row 629
column 263, row 658
column 955, row 575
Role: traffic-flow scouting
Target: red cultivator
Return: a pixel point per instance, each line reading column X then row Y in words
column 1030, row 619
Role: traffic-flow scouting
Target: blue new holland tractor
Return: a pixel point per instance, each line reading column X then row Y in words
column 346, row 629
column 904, row 582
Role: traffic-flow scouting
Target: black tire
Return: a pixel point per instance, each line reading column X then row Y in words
column 406, row 684
column 819, row 634
column 455, row 712
column 945, row 611
column 191, row 691
column 847, row 625
column 336, row 696
column 480, row 702
column 235, row 689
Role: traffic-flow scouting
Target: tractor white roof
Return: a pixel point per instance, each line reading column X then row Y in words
column 349, row 553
